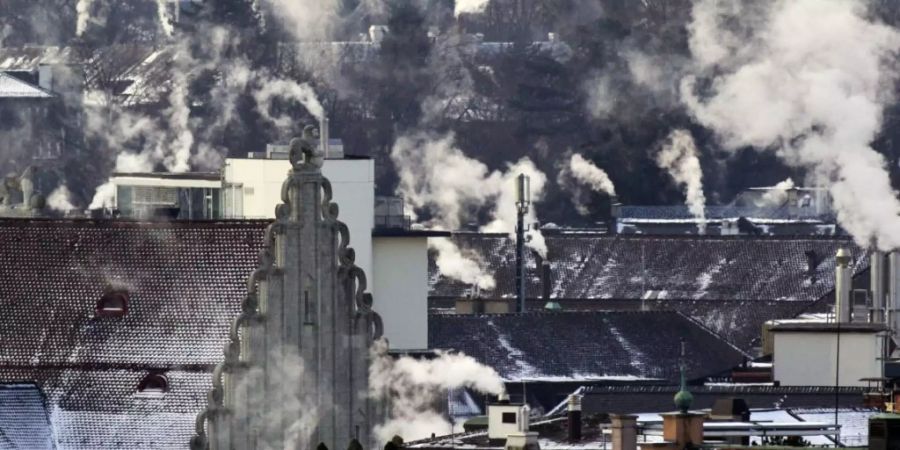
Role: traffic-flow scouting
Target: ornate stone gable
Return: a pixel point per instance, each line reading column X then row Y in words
column 297, row 365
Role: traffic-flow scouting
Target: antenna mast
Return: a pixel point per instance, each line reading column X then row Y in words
column 523, row 201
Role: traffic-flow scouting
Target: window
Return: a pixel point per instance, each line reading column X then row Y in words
column 154, row 383
column 113, row 303
column 509, row 417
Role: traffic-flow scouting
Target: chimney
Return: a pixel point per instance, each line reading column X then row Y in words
column 324, row 137
column 546, row 281
column 615, row 211
column 45, row 77
column 842, row 285
column 624, row 432
column 574, row 418
column 893, row 294
column 877, row 286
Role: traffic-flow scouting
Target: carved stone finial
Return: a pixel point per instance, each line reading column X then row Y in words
column 305, row 151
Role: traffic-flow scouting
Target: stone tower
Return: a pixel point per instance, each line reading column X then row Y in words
column 297, row 363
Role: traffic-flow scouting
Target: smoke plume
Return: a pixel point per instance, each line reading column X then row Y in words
column 679, row 157
column 83, row 11
column 435, row 177
column 470, row 7
column 809, row 81
column 576, row 172
column 165, row 22
column 415, row 386
column 468, row 268
column 778, row 195
column 60, row 199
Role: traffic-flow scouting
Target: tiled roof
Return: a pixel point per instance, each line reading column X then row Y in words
column 643, row 399
column 598, row 266
column 583, row 345
column 24, row 423
column 94, row 409
column 12, row 87
column 185, row 281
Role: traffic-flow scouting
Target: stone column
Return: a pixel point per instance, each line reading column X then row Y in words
column 624, row 432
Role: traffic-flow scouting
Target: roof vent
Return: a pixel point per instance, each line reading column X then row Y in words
column 113, row 303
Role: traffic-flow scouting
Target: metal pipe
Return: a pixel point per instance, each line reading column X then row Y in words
column 842, row 285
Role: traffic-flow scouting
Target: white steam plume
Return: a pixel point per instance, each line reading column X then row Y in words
column 415, row 386
column 777, row 195
column 576, row 172
column 810, row 84
column 453, row 263
column 165, row 21
column 60, row 199
column 591, row 175
column 83, row 11
column 104, row 196
column 289, row 90
column 470, row 7
column 435, row 176
column 679, row 157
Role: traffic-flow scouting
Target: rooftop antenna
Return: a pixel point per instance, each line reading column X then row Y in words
column 523, row 201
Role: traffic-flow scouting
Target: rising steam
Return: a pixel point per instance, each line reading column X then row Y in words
column 778, row 195
column 438, row 179
column 60, row 199
column 809, row 82
column 415, row 386
column 679, row 157
column 575, row 172
column 83, row 12
column 165, row 22
column 470, row 7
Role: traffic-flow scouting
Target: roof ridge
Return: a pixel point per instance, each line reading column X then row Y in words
column 713, row 333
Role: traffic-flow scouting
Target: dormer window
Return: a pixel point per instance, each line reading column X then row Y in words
column 154, row 384
column 113, row 303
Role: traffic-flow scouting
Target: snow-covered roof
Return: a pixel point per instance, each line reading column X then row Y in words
column 12, row 87
column 24, row 422
column 593, row 346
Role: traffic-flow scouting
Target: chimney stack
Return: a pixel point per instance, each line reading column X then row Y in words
column 45, row 77
column 893, row 294
column 877, row 286
column 624, row 432
column 842, row 285
column 574, row 418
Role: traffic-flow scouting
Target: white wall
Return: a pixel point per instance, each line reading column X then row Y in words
column 808, row 358
column 499, row 430
column 401, row 283
column 353, row 182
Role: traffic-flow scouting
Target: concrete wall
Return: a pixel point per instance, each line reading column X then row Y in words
column 808, row 358
column 353, row 181
column 401, row 283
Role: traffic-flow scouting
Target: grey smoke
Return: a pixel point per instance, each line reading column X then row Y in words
column 678, row 157
column 809, row 81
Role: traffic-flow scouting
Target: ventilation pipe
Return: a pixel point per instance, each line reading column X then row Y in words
column 877, row 287
column 323, row 136
column 842, row 284
column 893, row 294
column 574, row 418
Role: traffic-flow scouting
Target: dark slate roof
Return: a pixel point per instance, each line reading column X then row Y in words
column 755, row 213
column 583, row 345
column 649, row 399
column 24, row 423
column 94, row 409
column 185, row 281
column 600, row 266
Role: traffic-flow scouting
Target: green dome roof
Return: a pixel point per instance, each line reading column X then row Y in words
column 683, row 400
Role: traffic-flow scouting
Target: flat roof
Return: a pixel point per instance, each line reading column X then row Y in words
column 830, row 327
column 216, row 176
column 404, row 233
